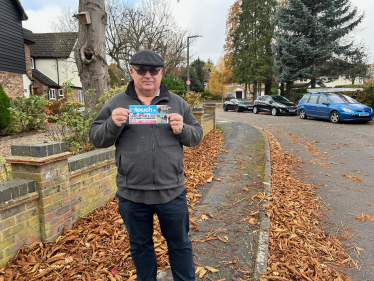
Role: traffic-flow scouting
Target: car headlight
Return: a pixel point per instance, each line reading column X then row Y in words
column 371, row 110
column 347, row 110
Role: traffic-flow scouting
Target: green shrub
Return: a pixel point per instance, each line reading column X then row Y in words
column 5, row 115
column 274, row 91
column 297, row 94
column 65, row 106
column 28, row 114
column 107, row 96
column 173, row 84
column 73, row 128
column 366, row 96
column 207, row 95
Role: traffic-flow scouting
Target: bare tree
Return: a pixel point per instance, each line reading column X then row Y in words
column 148, row 26
column 90, row 53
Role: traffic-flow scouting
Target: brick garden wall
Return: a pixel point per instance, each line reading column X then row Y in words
column 52, row 189
column 53, row 192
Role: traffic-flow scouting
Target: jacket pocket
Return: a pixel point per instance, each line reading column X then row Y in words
column 120, row 167
column 121, row 180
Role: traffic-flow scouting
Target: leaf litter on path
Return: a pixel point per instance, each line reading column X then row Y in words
column 299, row 248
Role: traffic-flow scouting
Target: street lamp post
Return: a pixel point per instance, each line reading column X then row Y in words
column 188, row 59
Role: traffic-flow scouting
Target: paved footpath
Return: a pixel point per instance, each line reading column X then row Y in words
column 231, row 234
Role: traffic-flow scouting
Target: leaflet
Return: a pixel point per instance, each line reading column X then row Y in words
column 148, row 114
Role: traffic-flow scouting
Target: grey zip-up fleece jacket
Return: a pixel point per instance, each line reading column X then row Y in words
column 148, row 156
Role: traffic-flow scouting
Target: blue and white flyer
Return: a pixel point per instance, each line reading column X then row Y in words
column 148, row 114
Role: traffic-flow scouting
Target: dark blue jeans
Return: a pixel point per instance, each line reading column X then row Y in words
column 174, row 222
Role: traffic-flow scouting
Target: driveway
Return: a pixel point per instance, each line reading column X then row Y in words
column 339, row 160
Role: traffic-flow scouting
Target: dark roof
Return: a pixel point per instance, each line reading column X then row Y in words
column 44, row 79
column 24, row 16
column 51, row 45
column 26, row 37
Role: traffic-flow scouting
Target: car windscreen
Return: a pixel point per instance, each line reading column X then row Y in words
column 340, row 98
column 242, row 100
column 280, row 99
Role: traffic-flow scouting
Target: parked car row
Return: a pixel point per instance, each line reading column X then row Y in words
column 329, row 104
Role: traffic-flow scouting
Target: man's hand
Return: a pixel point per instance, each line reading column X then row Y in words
column 119, row 115
column 176, row 122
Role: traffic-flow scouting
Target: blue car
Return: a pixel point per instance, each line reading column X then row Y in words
column 333, row 105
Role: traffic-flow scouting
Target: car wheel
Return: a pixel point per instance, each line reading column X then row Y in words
column 255, row 110
column 302, row 114
column 237, row 108
column 334, row 117
column 225, row 107
column 274, row 111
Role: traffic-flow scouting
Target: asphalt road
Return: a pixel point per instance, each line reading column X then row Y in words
column 339, row 159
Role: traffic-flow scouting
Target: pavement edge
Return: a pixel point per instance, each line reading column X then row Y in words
column 263, row 240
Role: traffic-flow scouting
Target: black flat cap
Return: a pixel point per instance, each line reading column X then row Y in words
column 147, row 58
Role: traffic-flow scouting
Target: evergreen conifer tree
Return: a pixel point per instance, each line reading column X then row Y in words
column 309, row 34
column 5, row 115
column 252, row 54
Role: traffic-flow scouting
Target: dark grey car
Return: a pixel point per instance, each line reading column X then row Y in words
column 238, row 105
column 274, row 105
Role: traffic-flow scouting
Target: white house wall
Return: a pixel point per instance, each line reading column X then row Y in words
column 48, row 67
column 68, row 69
column 26, row 85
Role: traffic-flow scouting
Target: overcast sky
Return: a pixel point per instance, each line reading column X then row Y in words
column 203, row 17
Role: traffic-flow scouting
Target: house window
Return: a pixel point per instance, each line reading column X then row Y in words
column 80, row 96
column 52, row 94
column 32, row 63
column 60, row 93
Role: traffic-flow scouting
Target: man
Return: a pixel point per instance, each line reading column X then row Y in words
column 150, row 171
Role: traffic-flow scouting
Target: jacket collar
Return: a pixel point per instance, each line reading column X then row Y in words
column 164, row 93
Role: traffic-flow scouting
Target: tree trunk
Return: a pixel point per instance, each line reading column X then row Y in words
column 289, row 89
column 90, row 53
column 268, row 86
column 282, row 89
column 254, row 90
column 313, row 83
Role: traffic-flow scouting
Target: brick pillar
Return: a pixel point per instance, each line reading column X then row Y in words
column 47, row 164
column 198, row 113
column 210, row 108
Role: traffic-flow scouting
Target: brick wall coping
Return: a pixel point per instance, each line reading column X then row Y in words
column 197, row 110
column 35, row 161
column 210, row 104
column 15, row 188
column 38, row 149
column 87, row 159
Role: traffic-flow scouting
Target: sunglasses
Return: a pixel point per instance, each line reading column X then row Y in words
column 142, row 71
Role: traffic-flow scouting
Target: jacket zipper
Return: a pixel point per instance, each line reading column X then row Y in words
column 153, row 156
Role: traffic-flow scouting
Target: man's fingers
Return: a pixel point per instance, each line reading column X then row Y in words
column 120, row 115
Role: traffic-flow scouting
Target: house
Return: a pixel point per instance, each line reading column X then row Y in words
column 35, row 63
column 13, row 75
column 236, row 90
column 52, row 63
